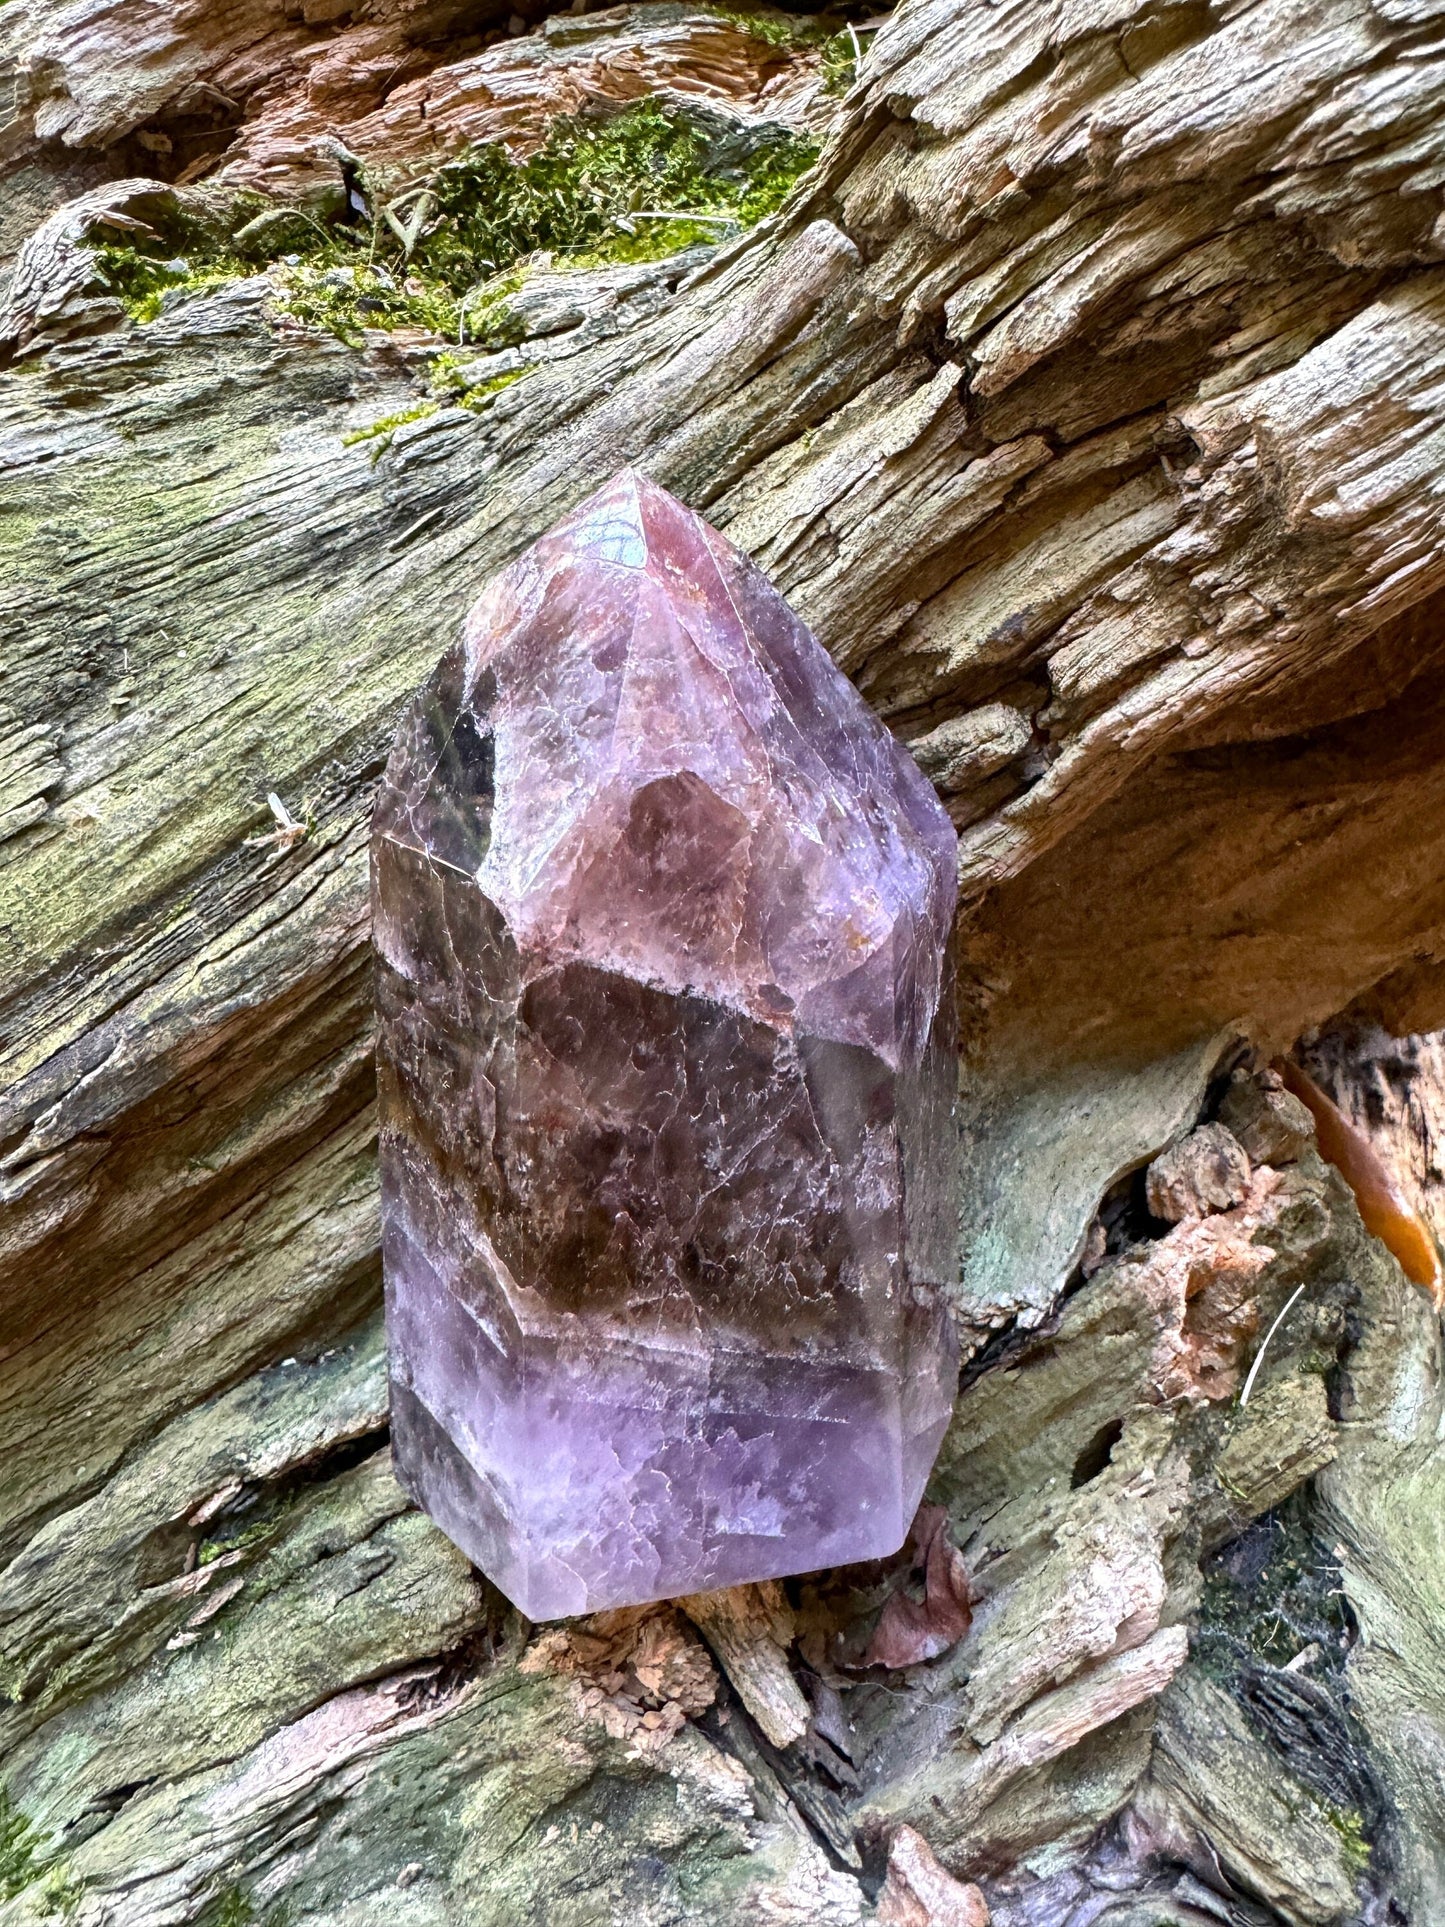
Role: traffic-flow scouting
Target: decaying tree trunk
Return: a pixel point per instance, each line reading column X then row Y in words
column 1088, row 399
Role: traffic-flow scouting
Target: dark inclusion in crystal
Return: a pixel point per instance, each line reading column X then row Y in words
column 667, row 1081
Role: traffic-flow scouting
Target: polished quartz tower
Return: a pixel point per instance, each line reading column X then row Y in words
column 667, row 1070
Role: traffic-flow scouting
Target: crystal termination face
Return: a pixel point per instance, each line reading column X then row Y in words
column 667, row 1072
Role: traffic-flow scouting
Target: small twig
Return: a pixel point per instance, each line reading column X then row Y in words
column 1259, row 1355
column 677, row 214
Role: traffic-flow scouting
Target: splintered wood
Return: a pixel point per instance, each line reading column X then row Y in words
column 639, row 1671
column 750, row 1629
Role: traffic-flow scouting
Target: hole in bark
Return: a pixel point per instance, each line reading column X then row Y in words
column 1098, row 1453
column 183, row 143
column 114, row 1798
column 1125, row 1214
column 258, row 1505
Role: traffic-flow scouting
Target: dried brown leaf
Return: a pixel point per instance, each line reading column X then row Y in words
column 910, row 1630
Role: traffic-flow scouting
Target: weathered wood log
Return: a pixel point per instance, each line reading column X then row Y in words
column 1087, row 399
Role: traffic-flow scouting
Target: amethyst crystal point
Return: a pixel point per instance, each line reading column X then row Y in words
column 667, row 1074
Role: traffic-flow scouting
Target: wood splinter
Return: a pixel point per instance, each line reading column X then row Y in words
column 749, row 1629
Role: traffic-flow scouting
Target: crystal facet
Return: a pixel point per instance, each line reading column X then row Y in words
column 661, row 913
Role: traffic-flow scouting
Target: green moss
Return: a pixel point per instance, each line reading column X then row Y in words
column 19, row 1844
column 252, row 1535
column 21, row 1867
column 1349, row 1824
column 381, row 432
column 592, row 196
column 652, row 241
column 447, row 372
column 632, row 186
column 480, row 393
column 59, row 1892
column 450, row 377
column 234, row 1907
column 635, row 186
column 345, row 298
column 143, row 280
column 257, row 1520
column 485, row 314
column 194, row 253
column 781, row 30
column 231, row 1908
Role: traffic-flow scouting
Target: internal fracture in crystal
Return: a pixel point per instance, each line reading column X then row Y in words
column 667, row 1070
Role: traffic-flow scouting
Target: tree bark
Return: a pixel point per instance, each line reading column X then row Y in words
column 1088, row 400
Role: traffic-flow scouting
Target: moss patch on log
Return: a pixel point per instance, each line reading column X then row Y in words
column 379, row 433
column 449, row 377
column 587, row 187
column 143, row 280
column 1356, row 1849
column 23, row 1869
column 633, row 186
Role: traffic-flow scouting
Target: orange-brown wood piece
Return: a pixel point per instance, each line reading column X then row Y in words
column 1383, row 1206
